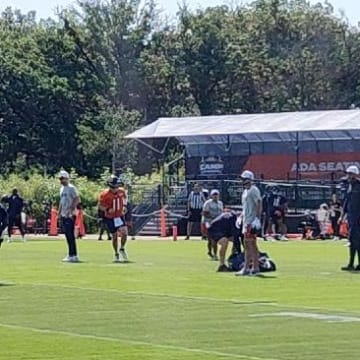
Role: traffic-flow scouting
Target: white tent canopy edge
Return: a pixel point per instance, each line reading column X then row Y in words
column 271, row 127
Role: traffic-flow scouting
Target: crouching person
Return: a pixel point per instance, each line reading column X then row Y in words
column 221, row 231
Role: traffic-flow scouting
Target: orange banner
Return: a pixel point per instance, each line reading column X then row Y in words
column 311, row 166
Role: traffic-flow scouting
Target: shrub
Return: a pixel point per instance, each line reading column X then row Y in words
column 38, row 189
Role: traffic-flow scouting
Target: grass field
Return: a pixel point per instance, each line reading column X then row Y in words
column 171, row 304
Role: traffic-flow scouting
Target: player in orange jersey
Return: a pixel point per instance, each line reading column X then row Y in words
column 113, row 203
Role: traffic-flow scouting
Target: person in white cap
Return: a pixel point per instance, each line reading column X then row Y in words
column 352, row 213
column 69, row 200
column 252, row 210
column 211, row 210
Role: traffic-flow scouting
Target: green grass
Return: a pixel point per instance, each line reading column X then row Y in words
column 171, row 304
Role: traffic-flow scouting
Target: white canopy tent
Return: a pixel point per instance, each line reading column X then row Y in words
column 290, row 133
column 252, row 128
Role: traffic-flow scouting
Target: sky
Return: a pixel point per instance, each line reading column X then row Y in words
column 46, row 8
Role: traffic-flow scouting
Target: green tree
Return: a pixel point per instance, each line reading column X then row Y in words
column 106, row 147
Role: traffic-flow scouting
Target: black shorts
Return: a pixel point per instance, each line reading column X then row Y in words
column 14, row 220
column 109, row 223
column 223, row 228
column 195, row 215
column 277, row 215
column 354, row 236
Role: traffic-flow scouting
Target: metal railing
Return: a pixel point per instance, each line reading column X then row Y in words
column 299, row 195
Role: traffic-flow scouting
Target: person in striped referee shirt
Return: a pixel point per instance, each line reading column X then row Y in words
column 196, row 202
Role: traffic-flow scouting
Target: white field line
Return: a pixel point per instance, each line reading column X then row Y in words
column 134, row 342
column 199, row 298
column 306, row 315
column 150, row 294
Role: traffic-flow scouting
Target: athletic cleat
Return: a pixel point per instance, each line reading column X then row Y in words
column 223, row 268
column 116, row 258
column 74, row 259
column 348, row 268
column 215, row 258
column 9, row 240
column 71, row 259
column 210, row 255
column 124, row 255
column 357, row 268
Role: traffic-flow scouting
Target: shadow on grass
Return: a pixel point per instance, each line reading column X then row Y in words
column 6, row 284
column 263, row 276
column 259, row 276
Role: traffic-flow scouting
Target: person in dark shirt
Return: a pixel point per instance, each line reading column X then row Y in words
column 275, row 210
column 352, row 212
column 309, row 226
column 46, row 213
column 3, row 217
column 222, row 230
column 266, row 218
column 335, row 215
column 16, row 204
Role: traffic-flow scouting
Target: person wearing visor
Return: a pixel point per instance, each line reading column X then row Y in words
column 113, row 203
column 69, row 200
column 252, row 210
column 352, row 213
column 212, row 209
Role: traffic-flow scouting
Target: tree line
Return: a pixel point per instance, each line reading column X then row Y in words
column 72, row 87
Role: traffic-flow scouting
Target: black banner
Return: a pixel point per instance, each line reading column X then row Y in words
column 214, row 167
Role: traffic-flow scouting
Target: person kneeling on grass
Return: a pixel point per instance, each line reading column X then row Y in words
column 113, row 203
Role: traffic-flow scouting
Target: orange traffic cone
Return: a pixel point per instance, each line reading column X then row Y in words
column 79, row 224
column 53, row 222
column 344, row 229
column 329, row 229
